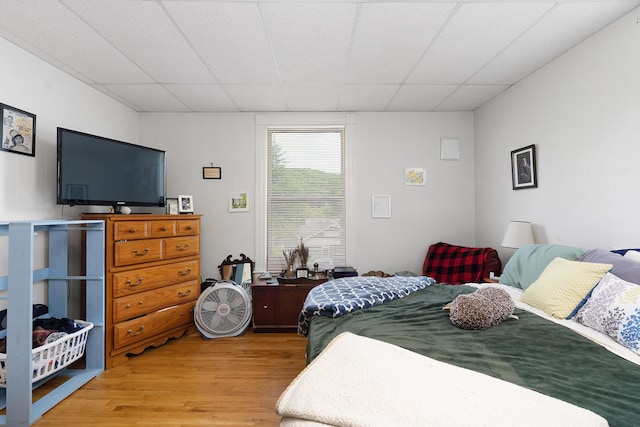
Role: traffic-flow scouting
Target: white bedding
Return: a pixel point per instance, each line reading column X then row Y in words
column 359, row 381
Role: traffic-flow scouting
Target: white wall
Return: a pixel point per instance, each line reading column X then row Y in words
column 583, row 113
column 383, row 144
column 28, row 189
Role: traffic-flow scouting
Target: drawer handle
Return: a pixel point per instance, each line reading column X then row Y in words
column 130, row 283
column 184, row 294
column 184, row 273
column 189, row 227
column 265, row 307
column 132, row 230
column 180, row 248
column 133, row 334
column 129, row 305
column 163, row 228
column 135, row 251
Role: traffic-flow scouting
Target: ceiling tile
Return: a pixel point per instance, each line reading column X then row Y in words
column 310, row 41
column 470, row 97
column 230, row 38
column 476, row 33
column 144, row 33
column 311, row 97
column 202, row 98
column 390, row 38
column 257, row 97
column 420, row 97
column 562, row 28
column 366, row 97
column 149, row 97
column 49, row 30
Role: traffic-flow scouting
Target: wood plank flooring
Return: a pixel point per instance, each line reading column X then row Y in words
column 191, row 381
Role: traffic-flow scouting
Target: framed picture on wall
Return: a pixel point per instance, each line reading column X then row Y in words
column 238, row 201
column 18, row 132
column 523, row 168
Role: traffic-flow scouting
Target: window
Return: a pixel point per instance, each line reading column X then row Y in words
column 306, row 196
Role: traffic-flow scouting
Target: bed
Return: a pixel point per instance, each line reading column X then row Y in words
column 543, row 357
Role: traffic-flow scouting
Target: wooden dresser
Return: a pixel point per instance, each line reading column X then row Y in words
column 152, row 267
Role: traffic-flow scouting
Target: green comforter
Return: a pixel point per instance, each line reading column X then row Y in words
column 531, row 352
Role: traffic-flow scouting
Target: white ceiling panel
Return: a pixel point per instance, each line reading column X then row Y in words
column 202, row 98
column 230, row 38
column 145, row 34
column 302, row 55
column 366, row 97
column 311, row 97
column 470, row 97
column 420, row 97
column 151, row 97
column 258, row 97
column 476, row 33
column 49, row 30
column 310, row 41
column 563, row 27
column 390, row 38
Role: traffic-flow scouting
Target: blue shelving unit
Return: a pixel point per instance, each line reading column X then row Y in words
column 17, row 396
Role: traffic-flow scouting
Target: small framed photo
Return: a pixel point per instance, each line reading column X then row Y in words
column 381, row 206
column 18, row 133
column 523, row 168
column 302, row 272
column 172, row 207
column 414, row 176
column 212, row 173
column 238, row 201
column 185, row 204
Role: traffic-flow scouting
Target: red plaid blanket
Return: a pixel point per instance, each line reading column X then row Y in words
column 456, row 264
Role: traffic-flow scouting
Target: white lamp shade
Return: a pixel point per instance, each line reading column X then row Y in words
column 518, row 234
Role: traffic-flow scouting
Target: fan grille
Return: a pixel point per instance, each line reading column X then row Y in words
column 223, row 310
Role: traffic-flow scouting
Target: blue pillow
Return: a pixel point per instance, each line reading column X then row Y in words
column 525, row 266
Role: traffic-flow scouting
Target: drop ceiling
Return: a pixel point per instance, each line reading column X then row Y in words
column 262, row 56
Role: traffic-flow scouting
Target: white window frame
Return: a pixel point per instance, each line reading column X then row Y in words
column 302, row 120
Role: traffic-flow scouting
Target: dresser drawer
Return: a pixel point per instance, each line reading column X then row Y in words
column 162, row 228
column 144, row 279
column 187, row 227
column 133, row 331
column 135, row 305
column 175, row 247
column 127, row 230
column 137, row 251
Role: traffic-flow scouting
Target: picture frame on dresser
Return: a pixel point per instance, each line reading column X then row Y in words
column 185, row 204
column 172, row 206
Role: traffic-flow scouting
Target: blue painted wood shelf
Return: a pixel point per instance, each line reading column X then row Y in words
column 18, row 395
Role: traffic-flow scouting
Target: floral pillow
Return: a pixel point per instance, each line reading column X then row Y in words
column 614, row 309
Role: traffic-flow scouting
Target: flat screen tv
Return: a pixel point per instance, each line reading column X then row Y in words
column 93, row 170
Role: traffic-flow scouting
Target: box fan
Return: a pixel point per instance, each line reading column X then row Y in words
column 223, row 310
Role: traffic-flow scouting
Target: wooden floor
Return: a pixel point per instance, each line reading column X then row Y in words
column 191, row 381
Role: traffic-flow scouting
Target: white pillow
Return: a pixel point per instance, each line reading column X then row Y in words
column 632, row 255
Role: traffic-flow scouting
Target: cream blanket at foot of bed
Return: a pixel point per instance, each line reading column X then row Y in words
column 358, row 381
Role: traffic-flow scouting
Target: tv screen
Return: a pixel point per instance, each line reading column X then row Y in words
column 93, row 170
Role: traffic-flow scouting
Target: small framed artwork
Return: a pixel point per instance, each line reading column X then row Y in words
column 18, row 133
column 185, row 204
column 381, row 206
column 302, row 272
column 172, row 207
column 212, row 173
column 523, row 168
column 414, row 176
column 238, row 201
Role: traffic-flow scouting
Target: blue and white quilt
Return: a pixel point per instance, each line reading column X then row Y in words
column 338, row 297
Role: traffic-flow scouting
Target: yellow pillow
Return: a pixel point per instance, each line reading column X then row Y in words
column 562, row 285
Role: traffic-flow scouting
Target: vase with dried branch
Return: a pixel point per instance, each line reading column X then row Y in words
column 303, row 254
column 290, row 259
